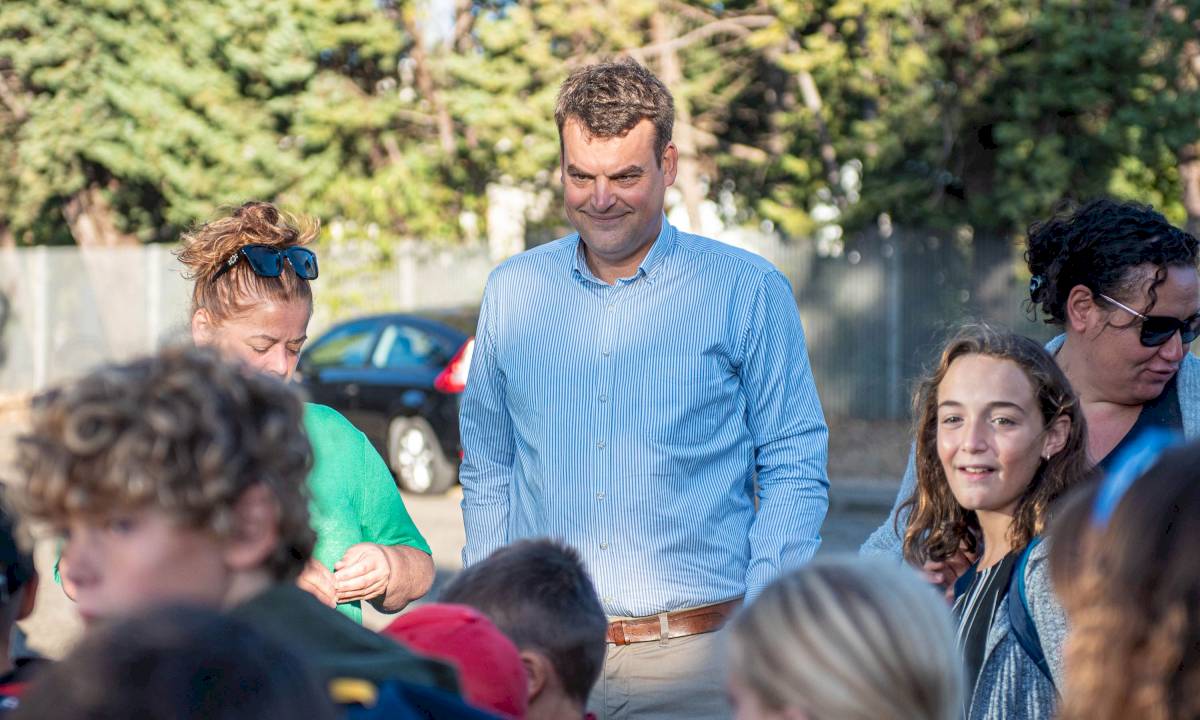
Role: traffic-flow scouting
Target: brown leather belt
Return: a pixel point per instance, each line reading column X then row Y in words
column 672, row 625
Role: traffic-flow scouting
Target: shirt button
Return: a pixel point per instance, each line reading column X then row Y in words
column 603, row 546
column 600, row 444
column 603, row 398
column 607, row 352
column 599, row 496
column 610, row 307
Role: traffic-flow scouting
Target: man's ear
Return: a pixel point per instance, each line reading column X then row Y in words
column 255, row 532
column 538, row 672
column 670, row 164
column 203, row 327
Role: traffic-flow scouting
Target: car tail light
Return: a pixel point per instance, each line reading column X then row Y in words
column 453, row 378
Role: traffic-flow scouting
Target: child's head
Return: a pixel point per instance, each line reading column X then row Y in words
column 18, row 578
column 539, row 595
column 845, row 638
column 998, row 429
column 174, row 478
column 178, row 663
column 1125, row 568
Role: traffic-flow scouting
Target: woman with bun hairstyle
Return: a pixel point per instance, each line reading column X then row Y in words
column 1000, row 436
column 1121, row 283
column 252, row 300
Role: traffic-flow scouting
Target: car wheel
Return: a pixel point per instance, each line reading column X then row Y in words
column 416, row 457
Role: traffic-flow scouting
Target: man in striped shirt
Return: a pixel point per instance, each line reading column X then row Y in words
column 630, row 384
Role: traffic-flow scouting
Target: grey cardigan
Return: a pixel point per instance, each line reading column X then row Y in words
column 1009, row 684
column 885, row 542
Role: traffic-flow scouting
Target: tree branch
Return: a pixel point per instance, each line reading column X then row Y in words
column 11, row 101
column 740, row 26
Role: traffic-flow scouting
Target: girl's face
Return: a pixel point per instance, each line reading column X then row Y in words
column 991, row 437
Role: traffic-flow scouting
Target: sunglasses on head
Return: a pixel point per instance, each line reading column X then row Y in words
column 1157, row 329
column 267, row 261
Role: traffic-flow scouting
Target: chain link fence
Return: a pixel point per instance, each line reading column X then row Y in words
column 873, row 315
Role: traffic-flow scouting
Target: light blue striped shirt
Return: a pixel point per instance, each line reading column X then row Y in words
column 629, row 421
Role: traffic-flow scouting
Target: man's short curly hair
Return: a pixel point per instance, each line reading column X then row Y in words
column 610, row 98
column 180, row 432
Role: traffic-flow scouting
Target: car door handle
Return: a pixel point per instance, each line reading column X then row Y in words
column 352, row 389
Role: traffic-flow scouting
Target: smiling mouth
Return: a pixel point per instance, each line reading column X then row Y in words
column 976, row 470
column 605, row 218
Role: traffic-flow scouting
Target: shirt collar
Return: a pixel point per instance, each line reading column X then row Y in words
column 650, row 264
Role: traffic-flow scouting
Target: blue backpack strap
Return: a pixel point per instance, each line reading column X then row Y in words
column 1019, row 618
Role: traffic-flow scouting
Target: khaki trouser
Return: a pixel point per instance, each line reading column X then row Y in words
column 663, row 679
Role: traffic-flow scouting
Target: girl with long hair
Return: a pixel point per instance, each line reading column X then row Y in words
column 999, row 436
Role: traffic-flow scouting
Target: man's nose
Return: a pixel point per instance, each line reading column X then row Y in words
column 602, row 196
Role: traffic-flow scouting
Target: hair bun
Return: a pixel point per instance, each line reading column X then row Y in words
column 205, row 250
column 257, row 212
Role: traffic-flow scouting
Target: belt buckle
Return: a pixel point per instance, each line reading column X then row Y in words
column 619, row 626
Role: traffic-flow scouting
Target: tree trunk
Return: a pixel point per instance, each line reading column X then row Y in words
column 91, row 220
column 662, row 30
column 425, row 83
column 1189, row 177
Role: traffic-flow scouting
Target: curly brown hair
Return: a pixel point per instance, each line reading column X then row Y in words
column 610, row 98
column 180, row 432
column 205, row 250
column 1131, row 590
column 937, row 525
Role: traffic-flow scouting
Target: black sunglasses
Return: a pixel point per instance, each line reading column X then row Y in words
column 1157, row 329
column 267, row 261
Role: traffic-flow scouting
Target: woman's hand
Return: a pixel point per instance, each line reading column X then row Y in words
column 944, row 573
column 390, row 576
column 362, row 573
column 317, row 580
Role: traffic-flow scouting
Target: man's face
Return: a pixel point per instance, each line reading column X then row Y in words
column 614, row 188
column 129, row 561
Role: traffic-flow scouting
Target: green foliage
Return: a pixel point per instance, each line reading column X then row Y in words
column 151, row 114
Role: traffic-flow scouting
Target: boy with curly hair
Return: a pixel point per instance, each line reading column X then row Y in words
column 180, row 479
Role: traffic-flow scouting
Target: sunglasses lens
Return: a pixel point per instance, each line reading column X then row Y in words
column 304, row 261
column 1190, row 330
column 1156, row 331
column 265, row 261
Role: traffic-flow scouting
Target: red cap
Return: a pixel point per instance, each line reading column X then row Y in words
column 488, row 664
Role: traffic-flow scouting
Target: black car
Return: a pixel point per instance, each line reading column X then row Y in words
column 398, row 379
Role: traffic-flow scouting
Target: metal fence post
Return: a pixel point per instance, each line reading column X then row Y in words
column 41, row 316
column 895, row 300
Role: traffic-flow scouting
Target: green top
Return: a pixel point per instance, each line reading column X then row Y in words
column 354, row 497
